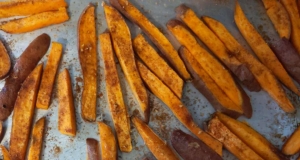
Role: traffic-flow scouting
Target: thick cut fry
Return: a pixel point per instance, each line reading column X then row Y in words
column 213, row 93
column 251, row 138
column 279, row 17
column 230, row 141
column 114, row 95
column 5, row 153
column 262, row 50
column 157, row 146
column 294, row 13
column 156, row 36
column 179, row 110
column 23, row 8
column 292, row 145
column 212, row 66
column 123, row 48
column 35, row 21
column 240, row 70
column 37, row 140
column 263, row 75
column 5, row 63
column 47, row 82
column 23, row 114
column 157, row 65
column 92, row 149
column 109, row 149
column 66, row 110
column 88, row 60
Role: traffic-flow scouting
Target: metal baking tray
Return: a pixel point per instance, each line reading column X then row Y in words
column 268, row 119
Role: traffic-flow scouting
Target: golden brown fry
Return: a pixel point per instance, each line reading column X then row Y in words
column 36, row 21
column 5, row 153
column 114, row 94
column 23, row 114
column 47, row 81
column 263, row 75
column 5, row 63
column 123, row 48
column 179, row 110
column 92, row 149
column 156, row 36
column 109, row 149
column 37, row 140
column 66, row 110
column 157, row 146
column 88, row 60
column 157, row 65
column 262, row 50
column 292, row 145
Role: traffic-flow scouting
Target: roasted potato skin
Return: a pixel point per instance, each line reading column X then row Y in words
column 92, row 149
column 1, row 131
column 22, row 68
column 5, row 62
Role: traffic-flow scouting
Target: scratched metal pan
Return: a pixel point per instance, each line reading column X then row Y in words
column 268, row 119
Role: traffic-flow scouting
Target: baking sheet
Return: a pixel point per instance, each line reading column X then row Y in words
column 268, row 119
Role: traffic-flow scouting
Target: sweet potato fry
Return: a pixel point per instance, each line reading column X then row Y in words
column 156, row 36
column 179, row 110
column 47, row 82
column 230, row 141
column 240, row 70
column 36, row 21
column 279, row 17
column 1, row 130
column 5, row 153
column 108, row 142
column 23, row 114
column 5, row 63
column 22, row 68
column 114, row 95
column 251, row 138
column 66, row 110
column 123, row 48
column 157, row 65
column 294, row 13
column 88, row 60
column 203, row 82
column 261, row 49
column 212, row 66
column 263, row 75
column 37, row 140
column 92, row 149
column 23, row 8
column 157, row 146
column 292, row 145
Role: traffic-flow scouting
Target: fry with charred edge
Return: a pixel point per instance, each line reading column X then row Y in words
column 23, row 8
column 5, row 63
column 279, row 17
column 230, row 141
column 156, row 36
column 88, row 60
column 179, row 110
column 122, row 44
column 5, row 153
column 261, row 49
column 22, row 68
column 294, row 13
column 251, row 138
column 212, row 66
column 114, row 95
column 292, row 145
column 36, row 21
column 240, row 70
column 108, row 142
column 157, row 65
column 263, row 75
column 37, row 140
column 66, row 110
column 47, row 82
column 92, row 149
column 157, row 146
column 23, row 114
column 203, row 82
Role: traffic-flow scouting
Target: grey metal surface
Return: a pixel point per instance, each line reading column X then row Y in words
column 268, row 118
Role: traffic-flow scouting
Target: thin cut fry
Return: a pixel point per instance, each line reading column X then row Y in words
column 292, row 145
column 109, row 148
column 5, row 153
column 37, row 140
